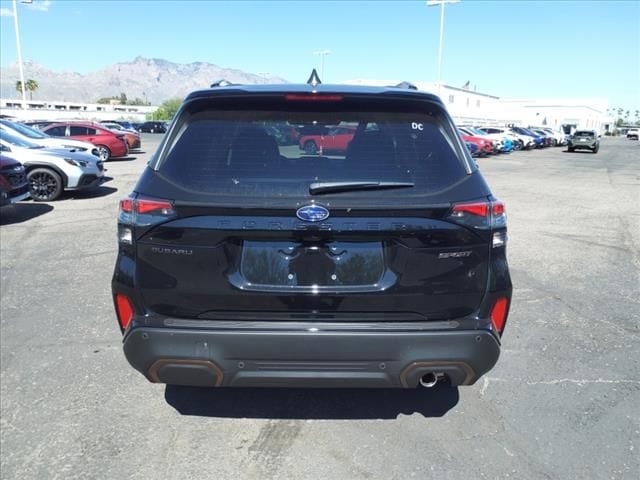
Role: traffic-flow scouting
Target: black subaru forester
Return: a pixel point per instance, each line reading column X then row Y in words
column 378, row 260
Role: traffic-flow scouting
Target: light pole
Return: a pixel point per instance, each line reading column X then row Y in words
column 322, row 53
column 433, row 3
column 15, row 23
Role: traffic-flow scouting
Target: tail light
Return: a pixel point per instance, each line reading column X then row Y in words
column 141, row 212
column 124, row 310
column 313, row 97
column 499, row 314
column 483, row 216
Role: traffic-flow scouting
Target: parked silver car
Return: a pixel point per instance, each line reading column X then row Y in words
column 50, row 171
column 584, row 140
column 36, row 136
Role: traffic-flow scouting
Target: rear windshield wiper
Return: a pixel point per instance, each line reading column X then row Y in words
column 318, row 188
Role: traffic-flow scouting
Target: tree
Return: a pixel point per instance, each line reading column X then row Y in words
column 31, row 86
column 166, row 110
column 137, row 102
column 122, row 98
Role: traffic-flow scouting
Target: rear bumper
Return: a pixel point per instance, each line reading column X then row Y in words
column 582, row 146
column 120, row 150
column 307, row 358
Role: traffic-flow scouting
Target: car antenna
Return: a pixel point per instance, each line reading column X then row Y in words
column 314, row 79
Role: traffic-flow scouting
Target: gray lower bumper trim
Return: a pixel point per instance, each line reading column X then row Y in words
column 308, row 359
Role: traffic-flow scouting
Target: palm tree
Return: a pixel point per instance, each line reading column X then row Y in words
column 32, row 86
column 19, row 87
column 29, row 86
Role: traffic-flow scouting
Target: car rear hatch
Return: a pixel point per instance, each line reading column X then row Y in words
column 229, row 225
column 583, row 138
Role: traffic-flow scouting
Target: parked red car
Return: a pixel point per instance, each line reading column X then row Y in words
column 485, row 147
column 335, row 140
column 108, row 143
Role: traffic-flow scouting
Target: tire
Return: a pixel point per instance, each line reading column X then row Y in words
column 151, row 130
column 570, row 149
column 310, row 147
column 44, row 184
column 554, row 143
column 103, row 152
column 595, row 149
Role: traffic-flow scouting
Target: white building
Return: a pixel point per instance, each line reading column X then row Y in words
column 467, row 106
column 573, row 113
column 53, row 110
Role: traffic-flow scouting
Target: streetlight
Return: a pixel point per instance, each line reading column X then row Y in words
column 15, row 23
column 433, row 3
column 322, row 53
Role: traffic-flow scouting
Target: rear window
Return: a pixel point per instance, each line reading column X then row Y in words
column 78, row 130
column 279, row 153
column 583, row 134
column 58, row 131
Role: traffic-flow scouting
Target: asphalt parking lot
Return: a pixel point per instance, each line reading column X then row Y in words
column 563, row 401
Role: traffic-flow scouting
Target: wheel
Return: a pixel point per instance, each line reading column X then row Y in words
column 310, row 147
column 554, row 143
column 151, row 130
column 44, row 184
column 570, row 149
column 103, row 152
column 595, row 149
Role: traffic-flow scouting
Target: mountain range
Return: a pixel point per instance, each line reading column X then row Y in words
column 151, row 79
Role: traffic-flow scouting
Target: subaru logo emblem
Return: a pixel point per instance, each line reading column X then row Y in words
column 312, row 213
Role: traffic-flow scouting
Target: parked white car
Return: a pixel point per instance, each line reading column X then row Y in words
column 117, row 126
column 36, row 136
column 527, row 142
column 50, row 171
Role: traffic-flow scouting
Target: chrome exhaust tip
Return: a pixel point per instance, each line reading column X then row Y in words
column 428, row 380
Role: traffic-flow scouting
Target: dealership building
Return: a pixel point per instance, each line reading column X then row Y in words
column 56, row 110
column 467, row 106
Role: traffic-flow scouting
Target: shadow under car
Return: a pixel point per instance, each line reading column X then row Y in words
column 309, row 403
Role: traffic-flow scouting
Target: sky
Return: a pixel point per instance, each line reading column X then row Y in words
column 511, row 49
